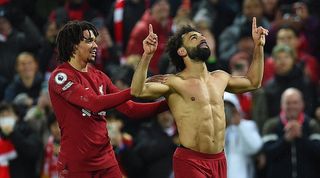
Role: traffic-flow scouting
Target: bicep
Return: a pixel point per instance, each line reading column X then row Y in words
column 239, row 84
column 153, row 90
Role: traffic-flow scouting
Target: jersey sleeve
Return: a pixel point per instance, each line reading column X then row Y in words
column 136, row 110
column 68, row 87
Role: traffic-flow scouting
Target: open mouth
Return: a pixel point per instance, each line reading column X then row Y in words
column 203, row 44
column 93, row 52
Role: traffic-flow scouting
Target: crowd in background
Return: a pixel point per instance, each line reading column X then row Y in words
column 260, row 135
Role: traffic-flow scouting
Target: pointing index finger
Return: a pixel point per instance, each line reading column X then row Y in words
column 150, row 29
column 254, row 24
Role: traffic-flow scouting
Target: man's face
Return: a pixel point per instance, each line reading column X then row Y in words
column 283, row 63
column 5, row 26
column 26, row 66
column 86, row 50
column 161, row 9
column 252, row 8
column 287, row 37
column 196, row 46
column 240, row 67
column 292, row 105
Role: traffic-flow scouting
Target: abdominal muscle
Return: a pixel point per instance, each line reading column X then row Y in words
column 201, row 127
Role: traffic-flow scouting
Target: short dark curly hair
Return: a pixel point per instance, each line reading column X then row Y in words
column 70, row 35
column 174, row 43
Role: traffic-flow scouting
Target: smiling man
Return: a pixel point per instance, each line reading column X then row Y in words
column 195, row 97
column 80, row 95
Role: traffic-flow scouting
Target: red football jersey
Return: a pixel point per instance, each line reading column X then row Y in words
column 79, row 100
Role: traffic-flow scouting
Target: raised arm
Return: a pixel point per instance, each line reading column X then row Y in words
column 139, row 87
column 253, row 79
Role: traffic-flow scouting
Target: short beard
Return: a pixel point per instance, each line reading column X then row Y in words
column 198, row 54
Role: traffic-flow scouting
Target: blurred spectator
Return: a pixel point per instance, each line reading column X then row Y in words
column 242, row 140
column 297, row 15
column 253, row 104
column 270, row 9
column 103, row 6
column 203, row 25
column 230, row 36
column 36, row 116
column 28, row 80
column 122, row 142
column 155, row 145
column 12, row 41
column 289, row 36
column 317, row 114
column 47, row 54
column 25, row 141
column 122, row 76
column 245, row 42
column 50, row 163
column 181, row 19
column 107, row 53
column 288, row 74
column 3, row 84
column 291, row 140
column 72, row 10
column 219, row 12
column 158, row 16
column 310, row 26
column 121, row 20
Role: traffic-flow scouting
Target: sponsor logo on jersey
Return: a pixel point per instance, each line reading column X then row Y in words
column 68, row 85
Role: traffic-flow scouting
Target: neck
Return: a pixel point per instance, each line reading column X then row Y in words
column 196, row 68
column 79, row 65
column 27, row 81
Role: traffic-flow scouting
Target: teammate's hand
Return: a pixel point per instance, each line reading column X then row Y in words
column 150, row 43
column 258, row 33
column 158, row 78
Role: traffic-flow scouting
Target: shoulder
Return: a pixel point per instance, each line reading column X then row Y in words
column 270, row 125
column 220, row 74
column 248, row 123
column 62, row 78
column 314, row 125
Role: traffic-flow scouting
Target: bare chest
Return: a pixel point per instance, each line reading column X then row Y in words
column 200, row 92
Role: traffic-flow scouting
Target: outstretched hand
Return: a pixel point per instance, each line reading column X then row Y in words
column 258, row 33
column 150, row 43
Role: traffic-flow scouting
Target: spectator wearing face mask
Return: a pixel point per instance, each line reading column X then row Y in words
column 24, row 145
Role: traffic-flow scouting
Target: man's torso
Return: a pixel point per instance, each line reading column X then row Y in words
column 198, row 108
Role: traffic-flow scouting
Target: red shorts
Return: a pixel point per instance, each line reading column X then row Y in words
column 111, row 172
column 191, row 164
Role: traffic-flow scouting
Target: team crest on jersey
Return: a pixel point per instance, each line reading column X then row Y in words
column 60, row 78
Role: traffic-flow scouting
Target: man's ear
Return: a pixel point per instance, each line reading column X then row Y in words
column 182, row 51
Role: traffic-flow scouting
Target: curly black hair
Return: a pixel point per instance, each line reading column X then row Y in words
column 174, row 43
column 69, row 36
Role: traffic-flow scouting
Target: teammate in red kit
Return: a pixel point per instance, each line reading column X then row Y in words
column 80, row 94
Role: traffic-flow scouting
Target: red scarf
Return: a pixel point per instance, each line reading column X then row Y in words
column 284, row 119
column 50, row 169
column 118, row 21
column 7, row 153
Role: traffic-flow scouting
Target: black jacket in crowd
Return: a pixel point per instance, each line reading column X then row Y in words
column 28, row 146
column 153, row 152
column 297, row 159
